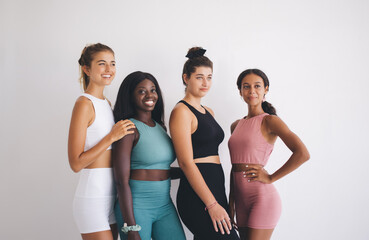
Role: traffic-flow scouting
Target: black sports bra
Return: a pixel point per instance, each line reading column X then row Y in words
column 208, row 135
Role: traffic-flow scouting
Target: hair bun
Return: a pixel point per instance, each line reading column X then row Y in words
column 81, row 62
column 195, row 52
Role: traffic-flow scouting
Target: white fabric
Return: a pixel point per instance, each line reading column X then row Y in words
column 103, row 123
column 93, row 205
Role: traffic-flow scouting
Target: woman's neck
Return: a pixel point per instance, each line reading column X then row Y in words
column 254, row 111
column 95, row 91
column 145, row 117
column 193, row 101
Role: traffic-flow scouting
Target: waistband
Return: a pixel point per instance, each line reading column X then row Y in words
column 241, row 167
column 96, row 182
column 149, row 194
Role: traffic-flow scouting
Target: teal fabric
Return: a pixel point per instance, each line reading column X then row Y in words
column 154, row 149
column 154, row 211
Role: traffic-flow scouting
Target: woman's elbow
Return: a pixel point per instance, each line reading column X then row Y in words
column 182, row 165
column 185, row 166
column 74, row 165
column 306, row 156
column 120, row 182
column 75, row 168
column 122, row 187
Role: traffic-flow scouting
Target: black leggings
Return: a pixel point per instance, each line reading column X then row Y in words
column 192, row 210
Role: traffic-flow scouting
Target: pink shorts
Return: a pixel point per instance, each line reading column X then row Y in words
column 258, row 205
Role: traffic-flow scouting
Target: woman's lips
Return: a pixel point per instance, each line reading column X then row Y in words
column 149, row 103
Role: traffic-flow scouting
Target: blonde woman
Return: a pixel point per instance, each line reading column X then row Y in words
column 92, row 131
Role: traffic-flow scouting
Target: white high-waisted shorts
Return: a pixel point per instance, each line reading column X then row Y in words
column 93, row 205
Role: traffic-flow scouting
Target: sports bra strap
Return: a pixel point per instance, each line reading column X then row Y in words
column 194, row 110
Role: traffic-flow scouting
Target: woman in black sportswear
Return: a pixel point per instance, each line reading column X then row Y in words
column 201, row 199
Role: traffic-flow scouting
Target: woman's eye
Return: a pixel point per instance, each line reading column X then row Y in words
column 113, row 64
column 245, row 87
column 141, row 92
column 101, row 64
column 153, row 90
column 257, row 86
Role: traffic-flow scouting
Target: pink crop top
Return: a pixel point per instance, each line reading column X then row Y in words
column 247, row 144
column 103, row 123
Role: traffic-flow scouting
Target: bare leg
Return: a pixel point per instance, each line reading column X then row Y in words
column 103, row 235
column 259, row 234
column 114, row 231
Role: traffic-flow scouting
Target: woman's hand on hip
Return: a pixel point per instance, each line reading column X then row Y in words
column 220, row 219
column 257, row 173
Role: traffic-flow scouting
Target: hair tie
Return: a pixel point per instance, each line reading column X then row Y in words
column 197, row 53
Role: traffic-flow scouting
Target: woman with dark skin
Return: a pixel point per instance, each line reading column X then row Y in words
column 256, row 201
column 142, row 164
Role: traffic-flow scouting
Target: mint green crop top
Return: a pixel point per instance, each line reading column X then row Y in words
column 154, row 149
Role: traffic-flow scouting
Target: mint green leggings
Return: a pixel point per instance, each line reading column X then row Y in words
column 154, row 211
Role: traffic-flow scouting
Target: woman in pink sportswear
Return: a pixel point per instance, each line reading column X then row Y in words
column 253, row 196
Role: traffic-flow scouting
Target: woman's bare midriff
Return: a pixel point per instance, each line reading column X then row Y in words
column 209, row 159
column 104, row 161
column 149, row 174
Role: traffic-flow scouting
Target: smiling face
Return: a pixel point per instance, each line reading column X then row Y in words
column 199, row 82
column 253, row 89
column 102, row 69
column 145, row 96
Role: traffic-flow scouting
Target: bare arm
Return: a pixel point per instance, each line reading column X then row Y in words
column 180, row 130
column 121, row 157
column 234, row 125
column 82, row 115
column 299, row 155
column 232, row 206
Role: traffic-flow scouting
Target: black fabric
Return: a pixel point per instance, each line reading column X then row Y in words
column 208, row 135
column 192, row 210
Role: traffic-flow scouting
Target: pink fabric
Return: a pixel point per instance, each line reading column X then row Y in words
column 247, row 144
column 258, row 205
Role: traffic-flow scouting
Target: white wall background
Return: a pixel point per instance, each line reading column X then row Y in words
column 316, row 56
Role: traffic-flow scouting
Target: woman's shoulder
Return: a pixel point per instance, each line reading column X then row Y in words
column 271, row 119
column 180, row 109
column 234, row 125
column 274, row 123
column 181, row 114
column 83, row 103
column 83, row 110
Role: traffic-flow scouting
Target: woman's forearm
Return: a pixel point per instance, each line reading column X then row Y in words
column 126, row 203
column 78, row 162
column 295, row 161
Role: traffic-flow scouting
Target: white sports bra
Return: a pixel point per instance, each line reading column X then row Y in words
column 103, row 123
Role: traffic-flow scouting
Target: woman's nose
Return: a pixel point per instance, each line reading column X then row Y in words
column 107, row 68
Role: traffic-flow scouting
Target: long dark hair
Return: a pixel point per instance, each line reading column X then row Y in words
column 195, row 60
column 124, row 106
column 87, row 55
column 267, row 107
